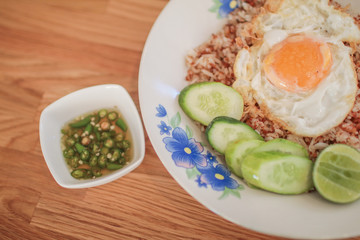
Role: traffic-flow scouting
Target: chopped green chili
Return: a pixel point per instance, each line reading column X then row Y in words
column 105, row 135
column 126, row 144
column 84, row 155
column 96, row 145
column 102, row 161
column 112, row 116
column 119, row 137
column 78, row 173
column 88, row 174
column 74, row 162
column 116, row 154
column 114, row 166
column 104, row 150
column 88, row 128
column 102, row 113
column 96, row 172
column 95, row 148
column 80, row 123
column 70, row 141
column 93, row 161
column 121, row 124
column 97, row 134
column 68, row 153
column 79, row 147
column 109, row 143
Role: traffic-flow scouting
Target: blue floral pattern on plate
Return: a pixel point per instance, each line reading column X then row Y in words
column 224, row 7
column 190, row 154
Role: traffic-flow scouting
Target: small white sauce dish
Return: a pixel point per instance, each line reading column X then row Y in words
column 54, row 117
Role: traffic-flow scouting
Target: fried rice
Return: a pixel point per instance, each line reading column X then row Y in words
column 214, row 59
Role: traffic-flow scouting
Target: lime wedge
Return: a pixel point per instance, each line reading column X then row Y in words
column 336, row 173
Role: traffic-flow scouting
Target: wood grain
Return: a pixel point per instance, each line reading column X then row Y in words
column 49, row 48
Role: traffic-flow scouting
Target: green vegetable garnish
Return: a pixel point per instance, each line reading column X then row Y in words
column 96, row 145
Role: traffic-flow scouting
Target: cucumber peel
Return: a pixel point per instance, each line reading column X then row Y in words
column 236, row 152
column 283, row 146
column 223, row 130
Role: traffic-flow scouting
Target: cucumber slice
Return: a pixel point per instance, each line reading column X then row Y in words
column 284, row 146
column 237, row 151
column 223, row 130
column 278, row 172
column 204, row 101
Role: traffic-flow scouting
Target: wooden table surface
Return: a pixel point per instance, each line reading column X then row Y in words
column 49, row 48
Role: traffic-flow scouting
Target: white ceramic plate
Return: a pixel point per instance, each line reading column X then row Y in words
column 183, row 25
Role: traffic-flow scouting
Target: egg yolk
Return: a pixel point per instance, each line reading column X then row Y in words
column 298, row 63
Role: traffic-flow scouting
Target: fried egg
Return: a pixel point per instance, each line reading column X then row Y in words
column 299, row 71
